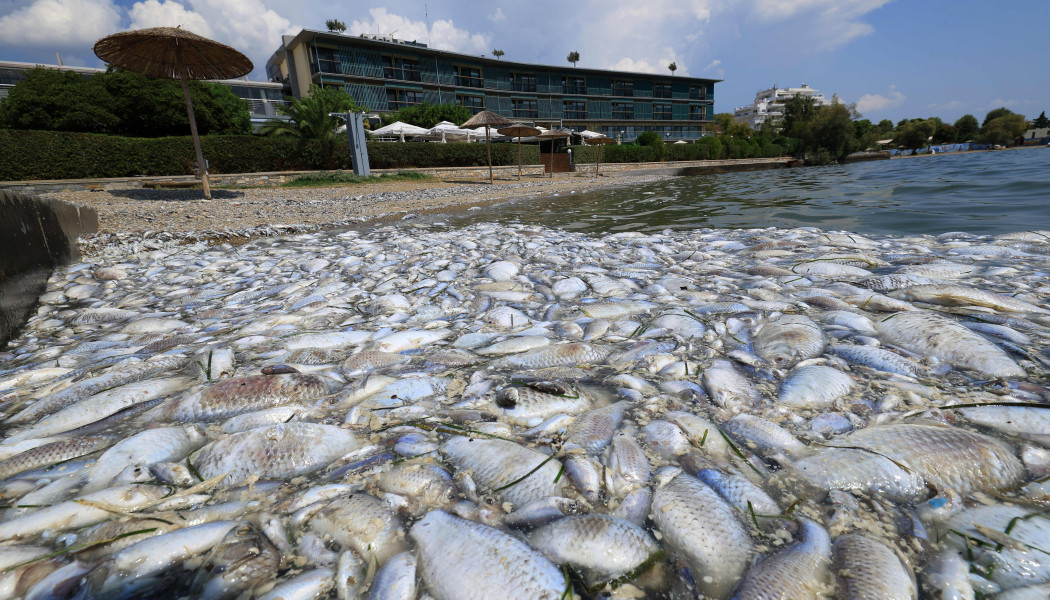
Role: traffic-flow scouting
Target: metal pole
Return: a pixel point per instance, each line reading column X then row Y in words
column 203, row 166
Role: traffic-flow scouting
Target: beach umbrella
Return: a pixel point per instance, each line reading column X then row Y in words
column 487, row 119
column 553, row 134
column 599, row 141
column 174, row 53
column 519, row 131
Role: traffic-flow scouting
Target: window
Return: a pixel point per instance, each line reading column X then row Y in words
column 528, row 109
column 622, row 110
column 573, row 85
column 327, row 62
column 661, row 90
column 698, row 92
column 696, row 112
column 622, row 87
column 398, row 99
column 400, row 68
column 523, row 82
column 662, row 112
column 469, row 77
column 476, row 104
column 575, row 109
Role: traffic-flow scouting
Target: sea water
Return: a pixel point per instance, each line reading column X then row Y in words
column 980, row 192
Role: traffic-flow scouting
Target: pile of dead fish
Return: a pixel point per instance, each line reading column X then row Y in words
column 515, row 412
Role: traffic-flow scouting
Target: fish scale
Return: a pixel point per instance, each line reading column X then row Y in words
column 244, row 394
column 54, row 452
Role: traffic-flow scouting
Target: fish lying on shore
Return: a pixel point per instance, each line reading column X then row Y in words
column 509, row 411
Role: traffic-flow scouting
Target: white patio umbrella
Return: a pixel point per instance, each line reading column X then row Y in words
column 399, row 129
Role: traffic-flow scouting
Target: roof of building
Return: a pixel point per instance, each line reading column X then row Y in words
column 310, row 34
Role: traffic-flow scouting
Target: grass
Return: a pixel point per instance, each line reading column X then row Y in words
column 338, row 178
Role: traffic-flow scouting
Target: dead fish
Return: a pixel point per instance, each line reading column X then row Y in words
column 940, row 337
column 244, row 394
column 789, row 340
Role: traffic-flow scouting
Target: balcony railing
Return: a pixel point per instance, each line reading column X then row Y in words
column 576, row 89
column 465, row 81
column 523, row 86
column 575, row 114
column 526, row 113
column 403, row 74
column 324, row 65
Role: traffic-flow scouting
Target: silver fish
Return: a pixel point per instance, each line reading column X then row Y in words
column 523, row 474
column 604, row 547
column 933, row 335
column 788, row 340
column 867, row 569
column 463, row 560
column 799, row 571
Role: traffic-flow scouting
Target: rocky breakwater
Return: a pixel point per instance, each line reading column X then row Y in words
column 36, row 235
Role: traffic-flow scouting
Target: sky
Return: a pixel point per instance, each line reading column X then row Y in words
column 894, row 59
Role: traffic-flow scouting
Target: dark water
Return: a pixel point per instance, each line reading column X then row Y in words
column 981, row 192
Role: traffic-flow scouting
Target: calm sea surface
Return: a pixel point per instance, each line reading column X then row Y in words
column 981, row 192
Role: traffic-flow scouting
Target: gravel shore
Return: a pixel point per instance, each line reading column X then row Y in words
column 144, row 219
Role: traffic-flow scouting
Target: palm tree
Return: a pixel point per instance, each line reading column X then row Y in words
column 335, row 25
column 673, row 67
column 573, row 57
column 310, row 116
column 497, row 53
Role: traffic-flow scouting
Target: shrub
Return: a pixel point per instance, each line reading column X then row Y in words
column 710, row 148
column 64, row 155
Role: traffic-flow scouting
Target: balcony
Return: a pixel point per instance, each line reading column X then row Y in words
column 324, row 65
column 523, row 86
column 403, row 74
column 466, row 81
column 575, row 114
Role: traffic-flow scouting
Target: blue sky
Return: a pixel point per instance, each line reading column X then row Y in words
column 895, row 59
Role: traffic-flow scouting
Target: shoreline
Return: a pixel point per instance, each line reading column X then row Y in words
column 149, row 219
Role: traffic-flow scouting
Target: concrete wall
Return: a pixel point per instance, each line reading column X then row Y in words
column 35, row 236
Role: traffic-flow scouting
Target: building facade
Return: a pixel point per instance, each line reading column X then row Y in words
column 263, row 96
column 769, row 104
column 386, row 74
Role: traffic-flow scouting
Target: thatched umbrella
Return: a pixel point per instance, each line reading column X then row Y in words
column 487, row 119
column 599, row 141
column 174, row 53
column 519, row 131
column 553, row 134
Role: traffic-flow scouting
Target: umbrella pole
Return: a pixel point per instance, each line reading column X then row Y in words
column 519, row 158
column 196, row 139
column 488, row 149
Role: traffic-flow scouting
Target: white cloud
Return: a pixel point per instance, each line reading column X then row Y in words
column 152, row 13
column 658, row 65
column 821, row 25
column 246, row 25
column 497, row 16
column 59, row 23
column 878, row 102
column 444, row 34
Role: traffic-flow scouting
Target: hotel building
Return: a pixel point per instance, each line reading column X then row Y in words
column 769, row 104
column 385, row 74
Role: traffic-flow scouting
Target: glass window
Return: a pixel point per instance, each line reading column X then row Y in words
column 327, row 61
column 661, row 90
column 523, row 82
column 573, row 85
column 698, row 92
column 469, row 77
column 662, row 112
column 622, row 87
column 696, row 112
column 622, row 110
column 397, row 99
column 528, row 109
column 575, row 109
column 476, row 104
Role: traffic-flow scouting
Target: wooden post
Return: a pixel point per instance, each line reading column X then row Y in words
column 203, row 166
column 488, row 148
column 519, row 157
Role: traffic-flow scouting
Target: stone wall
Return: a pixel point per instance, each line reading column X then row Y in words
column 35, row 236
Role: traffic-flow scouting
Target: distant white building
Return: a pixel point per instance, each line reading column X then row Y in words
column 769, row 104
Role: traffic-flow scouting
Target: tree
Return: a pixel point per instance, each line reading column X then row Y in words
column 498, row 54
column 427, row 115
column 1003, row 129
column 723, row 121
column 656, row 142
column 1041, row 121
column 573, row 57
column 673, row 67
column 823, row 133
column 946, row 134
column 967, row 128
column 120, row 102
column 311, row 115
column 916, row 134
column 335, row 25
column 995, row 113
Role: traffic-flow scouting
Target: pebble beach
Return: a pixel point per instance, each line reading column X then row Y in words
column 150, row 218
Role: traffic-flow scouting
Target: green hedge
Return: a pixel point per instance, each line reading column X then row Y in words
column 62, row 155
